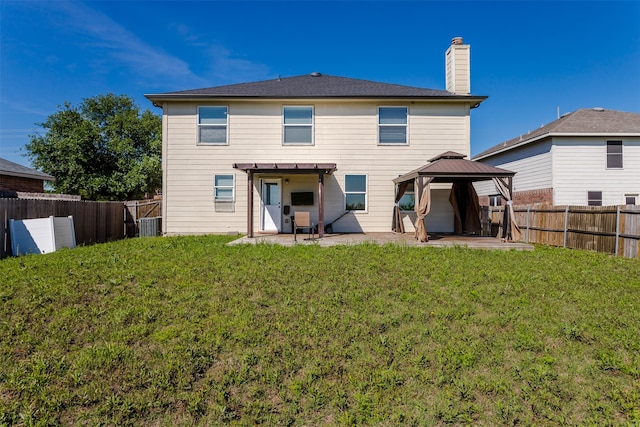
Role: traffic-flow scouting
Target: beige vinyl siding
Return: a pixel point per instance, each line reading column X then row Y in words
column 458, row 69
column 345, row 133
column 462, row 71
column 450, row 70
column 579, row 165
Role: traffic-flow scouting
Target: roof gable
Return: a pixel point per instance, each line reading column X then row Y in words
column 313, row 85
column 586, row 121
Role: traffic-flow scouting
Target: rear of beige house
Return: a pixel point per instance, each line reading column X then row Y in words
column 333, row 145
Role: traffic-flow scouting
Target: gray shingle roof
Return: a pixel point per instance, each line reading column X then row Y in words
column 313, row 85
column 586, row 121
column 14, row 169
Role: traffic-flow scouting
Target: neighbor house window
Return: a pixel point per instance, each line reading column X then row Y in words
column 298, row 125
column 594, row 198
column 212, row 125
column 355, row 192
column 223, row 188
column 495, row 200
column 392, row 125
column 630, row 199
column 614, row 154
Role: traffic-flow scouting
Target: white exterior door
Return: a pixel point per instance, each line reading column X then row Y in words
column 270, row 203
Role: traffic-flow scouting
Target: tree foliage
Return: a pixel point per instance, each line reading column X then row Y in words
column 102, row 149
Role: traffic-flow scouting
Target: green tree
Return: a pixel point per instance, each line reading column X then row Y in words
column 102, row 149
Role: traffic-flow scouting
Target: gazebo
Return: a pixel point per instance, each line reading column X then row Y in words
column 452, row 167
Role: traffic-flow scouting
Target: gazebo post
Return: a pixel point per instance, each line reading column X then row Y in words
column 510, row 187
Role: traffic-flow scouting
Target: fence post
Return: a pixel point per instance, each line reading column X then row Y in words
column 528, row 209
column 566, row 225
column 617, row 229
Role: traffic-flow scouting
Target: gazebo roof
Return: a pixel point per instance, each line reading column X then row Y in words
column 453, row 167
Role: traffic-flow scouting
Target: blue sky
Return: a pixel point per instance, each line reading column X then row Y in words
column 529, row 57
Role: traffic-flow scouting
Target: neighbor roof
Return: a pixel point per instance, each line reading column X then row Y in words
column 314, row 85
column 14, row 169
column 586, row 121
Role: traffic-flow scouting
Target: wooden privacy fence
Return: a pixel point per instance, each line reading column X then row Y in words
column 94, row 222
column 610, row 229
column 137, row 210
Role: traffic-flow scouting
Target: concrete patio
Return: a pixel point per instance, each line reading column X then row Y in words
column 435, row 240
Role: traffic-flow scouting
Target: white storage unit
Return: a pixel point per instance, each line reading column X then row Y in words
column 41, row 235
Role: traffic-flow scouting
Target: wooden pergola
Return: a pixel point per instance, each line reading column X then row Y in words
column 320, row 169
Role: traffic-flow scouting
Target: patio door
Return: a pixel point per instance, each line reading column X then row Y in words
column 270, row 203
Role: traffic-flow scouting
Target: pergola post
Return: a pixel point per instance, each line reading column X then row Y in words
column 321, row 205
column 249, row 203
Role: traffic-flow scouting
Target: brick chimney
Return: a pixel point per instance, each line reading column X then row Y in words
column 458, row 67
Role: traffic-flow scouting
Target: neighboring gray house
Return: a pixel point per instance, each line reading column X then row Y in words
column 588, row 157
column 16, row 178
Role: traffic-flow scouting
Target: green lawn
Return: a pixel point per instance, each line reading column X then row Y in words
column 189, row 331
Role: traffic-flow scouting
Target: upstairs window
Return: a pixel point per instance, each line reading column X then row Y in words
column 355, row 192
column 212, row 125
column 392, row 125
column 594, row 198
column 630, row 199
column 614, row 154
column 298, row 125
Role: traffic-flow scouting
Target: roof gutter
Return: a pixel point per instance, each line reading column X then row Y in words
column 155, row 98
column 43, row 177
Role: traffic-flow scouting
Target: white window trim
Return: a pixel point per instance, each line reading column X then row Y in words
column 366, row 193
column 393, row 144
column 199, row 125
column 633, row 195
column 232, row 186
column 313, row 127
column 606, row 153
